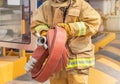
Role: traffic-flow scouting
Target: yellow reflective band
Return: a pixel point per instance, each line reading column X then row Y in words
column 82, row 28
column 42, row 26
column 79, row 31
column 81, row 62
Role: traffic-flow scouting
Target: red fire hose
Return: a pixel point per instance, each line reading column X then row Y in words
column 53, row 59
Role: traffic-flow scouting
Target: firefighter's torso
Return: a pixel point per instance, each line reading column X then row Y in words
column 81, row 49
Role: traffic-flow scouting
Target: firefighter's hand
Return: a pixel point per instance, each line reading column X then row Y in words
column 41, row 30
column 43, row 33
column 66, row 27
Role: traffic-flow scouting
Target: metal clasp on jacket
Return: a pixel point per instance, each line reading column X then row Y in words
column 41, row 41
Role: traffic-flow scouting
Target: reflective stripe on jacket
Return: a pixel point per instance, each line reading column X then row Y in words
column 80, row 62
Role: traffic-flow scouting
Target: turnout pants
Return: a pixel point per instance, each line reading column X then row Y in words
column 72, row 77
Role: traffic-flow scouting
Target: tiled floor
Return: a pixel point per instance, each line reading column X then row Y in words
column 26, row 79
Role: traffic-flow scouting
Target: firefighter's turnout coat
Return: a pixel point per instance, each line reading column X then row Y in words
column 83, row 21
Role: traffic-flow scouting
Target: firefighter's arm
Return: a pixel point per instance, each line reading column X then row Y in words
column 88, row 23
column 90, row 18
column 38, row 24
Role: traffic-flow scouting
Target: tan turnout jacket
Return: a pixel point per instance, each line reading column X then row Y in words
column 51, row 13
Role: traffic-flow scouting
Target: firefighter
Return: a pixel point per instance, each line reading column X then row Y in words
column 81, row 22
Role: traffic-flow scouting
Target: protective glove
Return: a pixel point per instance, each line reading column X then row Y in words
column 42, row 29
column 66, row 27
column 40, row 32
column 43, row 33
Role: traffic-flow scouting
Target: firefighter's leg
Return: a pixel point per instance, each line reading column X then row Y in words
column 59, row 78
column 78, row 78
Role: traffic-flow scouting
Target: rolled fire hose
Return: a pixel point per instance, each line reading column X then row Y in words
column 48, row 61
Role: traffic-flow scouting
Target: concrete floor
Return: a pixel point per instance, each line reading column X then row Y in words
column 26, row 79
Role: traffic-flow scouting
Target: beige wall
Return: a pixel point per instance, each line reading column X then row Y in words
column 33, row 5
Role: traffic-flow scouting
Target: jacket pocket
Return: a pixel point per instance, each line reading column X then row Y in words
column 81, row 45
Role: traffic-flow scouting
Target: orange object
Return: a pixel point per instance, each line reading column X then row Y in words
column 23, row 27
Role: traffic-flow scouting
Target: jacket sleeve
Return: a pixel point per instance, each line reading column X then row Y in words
column 38, row 20
column 88, row 21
